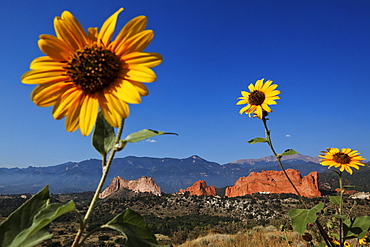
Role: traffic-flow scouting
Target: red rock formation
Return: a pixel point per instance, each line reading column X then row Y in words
column 143, row 184
column 275, row 182
column 200, row 188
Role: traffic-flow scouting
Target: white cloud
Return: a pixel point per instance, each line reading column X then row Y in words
column 288, row 135
column 151, row 141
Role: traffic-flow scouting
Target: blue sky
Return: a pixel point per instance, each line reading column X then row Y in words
column 316, row 51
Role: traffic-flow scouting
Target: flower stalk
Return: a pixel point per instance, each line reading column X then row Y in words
column 105, row 169
column 278, row 158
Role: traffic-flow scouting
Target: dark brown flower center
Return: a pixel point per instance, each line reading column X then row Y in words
column 341, row 158
column 256, row 97
column 93, row 68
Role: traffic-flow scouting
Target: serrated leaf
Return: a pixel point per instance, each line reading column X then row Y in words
column 257, row 140
column 301, row 217
column 133, row 226
column 28, row 225
column 335, row 200
column 103, row 136
column 289, row 152
column 144, row 134
column 356, row 227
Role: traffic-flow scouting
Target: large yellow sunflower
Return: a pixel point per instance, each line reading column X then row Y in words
column 260, row 96
column 344, row 160
column 83, row 72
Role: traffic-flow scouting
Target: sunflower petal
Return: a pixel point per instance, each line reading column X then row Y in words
column 47, row 94
column 136, row 43
column 76, row 27
column 44, row 76
column 259, row 112
column 112, row 117
column 107, row 29
column 251, row 87
column 64, row 33
column 259, row 84
column 118, row 105
column 46, row 63
column 63, row 104
column 140, row 87
column 136, row 25
column 266, row 85
column 138, row 73
column 73, row 115
column 125, row 91
column 266, row 107
column 88, row 114
column 54, row 47
column 149, row 60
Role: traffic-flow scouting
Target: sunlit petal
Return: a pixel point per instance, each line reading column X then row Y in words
column 107, row 29
column 54, row 47
column 133, row 27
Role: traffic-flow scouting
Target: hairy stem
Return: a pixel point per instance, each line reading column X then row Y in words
column 105, row 169
column 341, row 240
column 278, row 158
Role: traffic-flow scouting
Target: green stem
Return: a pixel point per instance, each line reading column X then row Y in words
column 278, row 157
column 105, row 169
column 341, row 240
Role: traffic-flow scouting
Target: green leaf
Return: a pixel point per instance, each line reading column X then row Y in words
column 28, row 225
column 144, row 134
column 335, row 200
column 356, row 227
column 133, row 226
column 301, row 217
column 343, row 217
column 322, row 245
column 103, row 136
column 289, row 152
column 257, row 140
column 351, row 186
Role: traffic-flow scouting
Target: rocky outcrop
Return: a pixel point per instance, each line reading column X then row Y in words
column 200, row 188
column 275, row 182
column 143, row 184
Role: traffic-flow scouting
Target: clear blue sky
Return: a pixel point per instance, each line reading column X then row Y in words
column 318, row 52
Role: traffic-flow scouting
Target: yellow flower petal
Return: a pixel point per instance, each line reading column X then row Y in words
column 46, row 63
column 107, row 29
column 251, row 87
column 133, row 27
column 259, row 112
column 144, row 59
column 125, row 91
column 47, row 94
column 136, row 43
column 118, row 105
column 43, row 76
column 140, row 87
column 259, row 84
column 75, row 27
column 266, row 108
column 64, row 33
column 54, row 48
column 138, row 73
column 73, row 115
column 88, row 114
column 112, row 117
column 62, row 106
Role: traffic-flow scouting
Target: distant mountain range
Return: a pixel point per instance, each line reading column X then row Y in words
column 169, row 173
